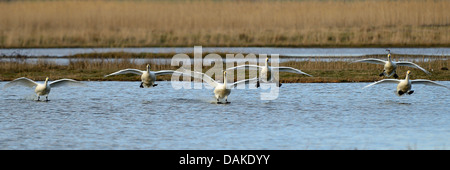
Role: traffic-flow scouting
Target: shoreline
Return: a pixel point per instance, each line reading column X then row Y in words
column 283, row 82
column 153, row 55
column 84, row 68
column 240, row 45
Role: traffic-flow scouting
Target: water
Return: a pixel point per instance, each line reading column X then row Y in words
column 120, row 115
column 58, row 55
column 168, row 61
column 293, row 52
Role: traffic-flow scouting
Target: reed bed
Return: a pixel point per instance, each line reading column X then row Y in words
column 87, row 69
column 116, row 23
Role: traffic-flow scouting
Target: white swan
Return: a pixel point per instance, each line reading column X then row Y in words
column 43, row 89
column 266, row 72
column 148, row 77
column 221, row 90
column 390, row 66
column 404, row 86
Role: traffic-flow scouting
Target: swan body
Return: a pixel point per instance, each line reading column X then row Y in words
column 42, row 89
column 148, row 77
column 266, row 72
column 221, row 91
column 390, row 66
column 404, row 86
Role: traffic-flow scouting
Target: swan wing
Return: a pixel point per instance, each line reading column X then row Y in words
column 291, row 70
column 126, row 71
column 410, row 64
column 384, row 81
column 371, row 60
column 23, row 81
column 245, row 67
column 202, row 76
column 246, row 81
column 427, row 82
column 66, row 82
column 164, row 72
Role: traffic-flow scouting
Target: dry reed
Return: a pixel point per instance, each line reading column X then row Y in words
column 224, row 23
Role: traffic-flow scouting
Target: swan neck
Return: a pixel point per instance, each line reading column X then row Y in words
column 225, row 79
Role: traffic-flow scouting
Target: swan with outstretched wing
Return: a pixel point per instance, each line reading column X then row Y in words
column 148, row 77
column 404, row 86
column 43, row 89
column 266, row 72
column 221, row 90
column 390, row 67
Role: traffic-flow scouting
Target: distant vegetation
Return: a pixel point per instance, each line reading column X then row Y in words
column 305, row 23
column 82, row 67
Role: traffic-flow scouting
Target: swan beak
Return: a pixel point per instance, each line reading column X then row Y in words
column 46, row 79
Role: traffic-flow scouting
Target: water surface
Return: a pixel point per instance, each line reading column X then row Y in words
column 120, row 115
column 293, row 52
column 58, row 55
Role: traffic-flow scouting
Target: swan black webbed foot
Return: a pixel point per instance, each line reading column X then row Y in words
column 395, row 75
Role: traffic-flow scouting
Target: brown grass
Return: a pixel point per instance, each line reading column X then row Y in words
column 224, row 23
column 334, row 71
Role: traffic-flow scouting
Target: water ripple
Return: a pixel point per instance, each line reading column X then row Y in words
column 305, row 116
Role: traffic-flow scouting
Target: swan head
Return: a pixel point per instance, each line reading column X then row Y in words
column 148, row 66
column 408, row 72
column 389, row 54
column 46, row 81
